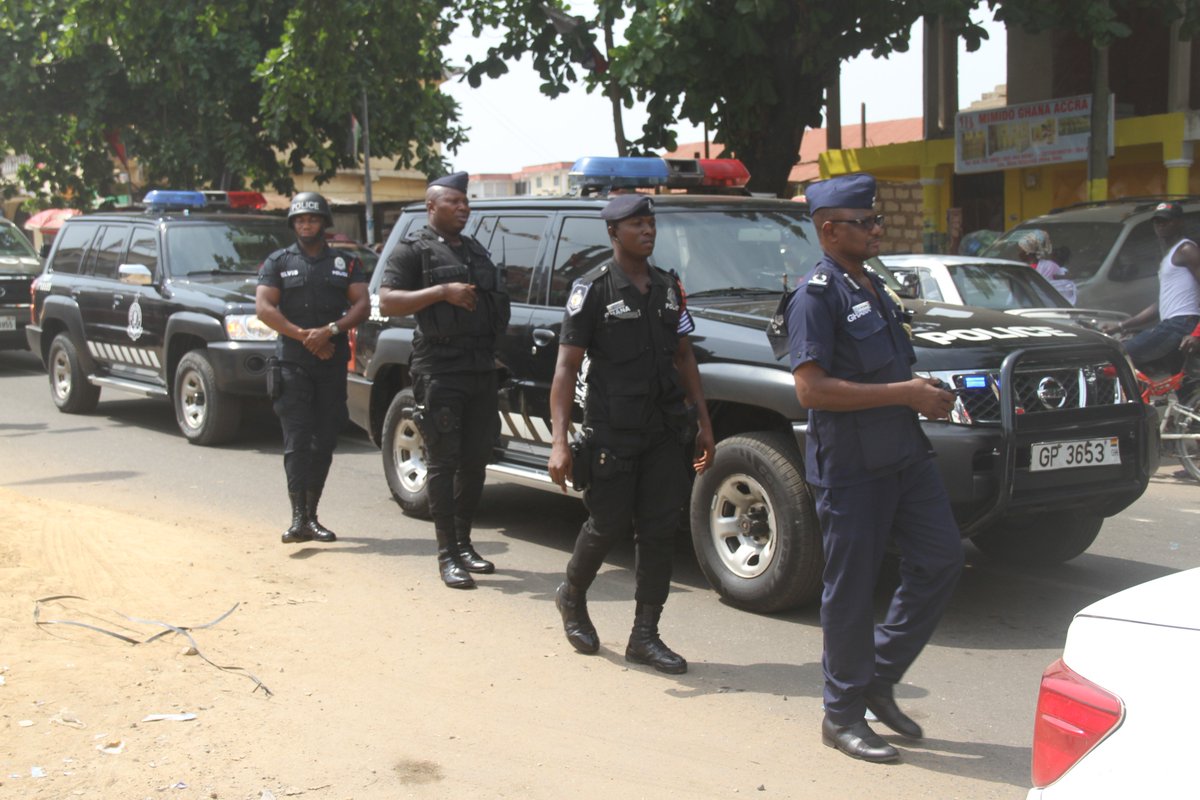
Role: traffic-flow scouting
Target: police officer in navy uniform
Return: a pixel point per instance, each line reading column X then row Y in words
column 311, row 294
column 448, row 280
column 871, row 469
column 644, row 408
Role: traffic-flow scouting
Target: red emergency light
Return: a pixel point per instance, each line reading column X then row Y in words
column 723, row 172
column 254, row 200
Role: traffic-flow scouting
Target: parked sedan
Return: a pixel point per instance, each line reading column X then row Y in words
column 1114, row 714
column 989, row 283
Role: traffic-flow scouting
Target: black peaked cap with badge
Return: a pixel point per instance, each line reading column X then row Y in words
column 624, row 206
column 856, row 190
column 455, row 180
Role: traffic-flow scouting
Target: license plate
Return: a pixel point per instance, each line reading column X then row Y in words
column 1078, row 453
column 8, row 323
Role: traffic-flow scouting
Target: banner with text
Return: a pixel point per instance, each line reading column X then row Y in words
column 1026, row 135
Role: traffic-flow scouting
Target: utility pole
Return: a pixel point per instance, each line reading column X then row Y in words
column 370, row 209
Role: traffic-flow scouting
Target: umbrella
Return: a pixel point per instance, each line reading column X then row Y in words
column 49, row 219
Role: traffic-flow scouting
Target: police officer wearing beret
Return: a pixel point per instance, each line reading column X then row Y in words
column 643, row 405
column 311, row 295
column 448, row 280
column 871, row 469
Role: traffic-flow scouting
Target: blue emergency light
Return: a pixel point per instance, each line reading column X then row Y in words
column 632, row 172
column 168, row 199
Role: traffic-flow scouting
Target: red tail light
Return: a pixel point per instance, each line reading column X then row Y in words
column 1073, row 716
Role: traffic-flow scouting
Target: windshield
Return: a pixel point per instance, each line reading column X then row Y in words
column 16, row 253
column 739, row 250
column 1086, row 244
column 225, row 246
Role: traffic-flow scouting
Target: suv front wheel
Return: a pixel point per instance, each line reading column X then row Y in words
column 206, row 415
column 69, row 385
column 404, row 456
column 754, row 525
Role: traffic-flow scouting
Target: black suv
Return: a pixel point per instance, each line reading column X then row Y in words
column 1048, row 438
column 160, row 304
column 18, row 265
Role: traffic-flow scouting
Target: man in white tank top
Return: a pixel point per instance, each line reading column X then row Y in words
column 1178, row 306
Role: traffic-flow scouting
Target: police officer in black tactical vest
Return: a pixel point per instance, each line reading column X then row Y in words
column 643, row 413
column 458, row 295
column 311, row 295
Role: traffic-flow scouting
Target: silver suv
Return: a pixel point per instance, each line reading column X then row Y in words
column 1110, row 249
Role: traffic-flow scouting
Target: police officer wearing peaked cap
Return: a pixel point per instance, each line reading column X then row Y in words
column 630, row 320
column 311, row 295
column 871, row 469
column 448, row 280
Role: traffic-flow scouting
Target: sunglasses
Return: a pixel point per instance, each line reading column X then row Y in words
column 866, row 223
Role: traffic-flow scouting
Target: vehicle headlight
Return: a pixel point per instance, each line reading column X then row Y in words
column 248, row 328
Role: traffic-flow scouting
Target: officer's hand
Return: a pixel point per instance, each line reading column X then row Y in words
column 1190, row 345
column 1111, row 327
column 315, row 338
column 706, row 448
column 929, row 399
column 461, row 295
column 324, row 352
column 560, row 464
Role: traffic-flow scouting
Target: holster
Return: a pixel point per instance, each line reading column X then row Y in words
column 274, row 378
column 581, row 461
column 429, row 432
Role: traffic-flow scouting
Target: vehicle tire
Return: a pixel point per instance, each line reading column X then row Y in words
column 206, row 415
column 404, row 456
column 754, row 525
column 1189, row 451
column 1050, row 538
column 69, row 387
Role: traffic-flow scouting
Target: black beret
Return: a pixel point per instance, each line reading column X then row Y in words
column 455, row 180
column 856, row 190
column 624, row 206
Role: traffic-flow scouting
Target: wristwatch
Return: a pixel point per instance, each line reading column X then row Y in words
column 334, row 330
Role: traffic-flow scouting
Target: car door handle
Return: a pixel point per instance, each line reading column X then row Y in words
column 543, row 337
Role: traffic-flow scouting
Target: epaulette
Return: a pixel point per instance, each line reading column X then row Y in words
column 818, row 280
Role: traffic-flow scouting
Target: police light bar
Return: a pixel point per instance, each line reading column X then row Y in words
column 254, row 200
column 609, row 172
column 723, row 172
column 163, row 199
column 684, row 172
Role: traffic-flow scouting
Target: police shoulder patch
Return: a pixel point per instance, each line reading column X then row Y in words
column 817, row 282
column 578, row 295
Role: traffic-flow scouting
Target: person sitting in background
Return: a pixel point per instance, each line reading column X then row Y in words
column 1038, row 252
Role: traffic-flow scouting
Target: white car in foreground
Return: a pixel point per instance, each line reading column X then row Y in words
column 1116, row 714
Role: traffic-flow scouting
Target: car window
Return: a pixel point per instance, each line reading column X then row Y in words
column 16, row 253
column 582, row 244
column 232, row 246
column 107, row 251
column 1080, row 246
column 1001, row 288
column 73, row 241
column 1139, row 256
column 717, row 249
column 929, row 285
column 143, row 249
column 513, row 242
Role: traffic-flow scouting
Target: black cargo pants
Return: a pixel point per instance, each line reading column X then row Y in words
column 460, row 423
column 639, row 484
column 312, row 412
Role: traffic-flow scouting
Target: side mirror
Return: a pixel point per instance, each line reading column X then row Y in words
column 135, row 274
column 910, row 285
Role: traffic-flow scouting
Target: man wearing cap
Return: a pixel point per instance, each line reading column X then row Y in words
column 448, row 280
column 1178, row 306
column 871, row 470
column 311, row 295
column 643, row 412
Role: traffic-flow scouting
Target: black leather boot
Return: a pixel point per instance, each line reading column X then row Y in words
column 571, row 602
column 453, row 574
column 646, row 648
column 298, row 532
column 470, row 560
column 315, row 528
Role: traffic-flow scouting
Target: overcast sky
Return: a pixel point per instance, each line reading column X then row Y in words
column 513, row 125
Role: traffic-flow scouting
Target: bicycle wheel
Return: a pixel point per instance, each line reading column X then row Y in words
column 1183, row 422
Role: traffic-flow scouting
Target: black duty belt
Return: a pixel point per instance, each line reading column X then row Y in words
column 462, row 341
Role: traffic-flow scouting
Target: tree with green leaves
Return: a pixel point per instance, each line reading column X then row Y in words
column 225, row 93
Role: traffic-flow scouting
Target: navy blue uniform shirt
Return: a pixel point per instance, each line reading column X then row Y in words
column 856, row 336
column 313, row 292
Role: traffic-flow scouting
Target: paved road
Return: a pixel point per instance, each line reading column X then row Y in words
column 974, row 689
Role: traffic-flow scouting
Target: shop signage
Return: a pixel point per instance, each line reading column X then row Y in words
column 1025, row 135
